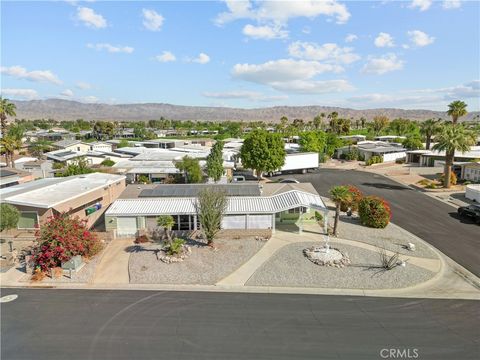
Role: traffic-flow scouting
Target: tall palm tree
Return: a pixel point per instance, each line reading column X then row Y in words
column 451, row 138
column 6, row 109
column 457, row 109
column 429, row 128
column 8, row 145
column 339, row 195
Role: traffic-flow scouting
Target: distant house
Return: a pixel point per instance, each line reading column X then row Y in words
column 49, row 135
column 389, row 138
column 100, row 146
column 437, row 158
column 85, row 196
column 471, row 172
column 72, row 145
column 387, row 151
column 11, row 177
column 38, row 168
column 354, row 139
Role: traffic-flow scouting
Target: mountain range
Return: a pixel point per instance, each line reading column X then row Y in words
column 59, row 109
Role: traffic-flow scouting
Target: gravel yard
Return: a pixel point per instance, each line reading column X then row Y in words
column 393, row 237
column 85, row 274
column 204, row 266
column 289, row 267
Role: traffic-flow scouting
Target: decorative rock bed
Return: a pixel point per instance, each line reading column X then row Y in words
column 327, row 256
column 169, row 259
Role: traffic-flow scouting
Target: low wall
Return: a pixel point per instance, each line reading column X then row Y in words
column 472, row 192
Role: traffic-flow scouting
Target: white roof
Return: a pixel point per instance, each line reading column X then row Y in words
column 473, row 153
column 236, row 204
column 25, row 159
column 47, row 193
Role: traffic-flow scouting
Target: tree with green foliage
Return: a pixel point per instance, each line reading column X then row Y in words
column 8, row 146
column 210, row 206
column 339, row 195
column 104, row 130
column 215, row 161
column 191, row 169
column 166, row 222
column 107, row 162
column 457, row 109
column 312, row 141
column 77, row 167
column 9, row 218
column 453, row 137
column 379, row 124
column 428, row 129
column 412, row 142
column 332, row 142
column 123, row 143
column 263, row 152
column 143, row 179
column 7, row 108
column 39, row 147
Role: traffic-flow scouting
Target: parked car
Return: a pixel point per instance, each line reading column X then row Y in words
column 471, row 211
column 289, row 181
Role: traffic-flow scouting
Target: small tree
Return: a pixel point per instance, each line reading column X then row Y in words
column 263, row 152
column 166, row 222
column 215, row 161
column 191, row 168
column 9, row 217
column 340, row 195
column 123, row 143
column 211, row 206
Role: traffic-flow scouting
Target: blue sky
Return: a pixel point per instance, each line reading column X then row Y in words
column 418, row 54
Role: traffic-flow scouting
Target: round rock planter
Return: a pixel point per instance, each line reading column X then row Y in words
column 170, row 259
column 333, row 257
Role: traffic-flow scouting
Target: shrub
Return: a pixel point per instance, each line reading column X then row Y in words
column 107, row 162
column 453, row 178
column 374, row 160
column 431, row 185
column 318, row 217
column 424, row 182
column 322, row 158
column 353, row 154
column 175, row 247
column 141, row 239
column 60, row 239
column 9, row 217
column 374, row 212
column 400, row 161
column 388, row 262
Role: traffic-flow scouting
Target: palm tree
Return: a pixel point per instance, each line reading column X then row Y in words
column 457, row 109
column 451, row 138
column 9, row 144
column 6, row 109
column 429, row 128
column 166, row 222
column 339, row 194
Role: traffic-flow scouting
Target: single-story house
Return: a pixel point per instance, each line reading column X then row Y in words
column 389, row 138
column 72, row 145
column 86, row 196
column 471, row 171
column 37, row 167
column 250, row 206
column 354, row 139
column 437, row 158
column 387, row 151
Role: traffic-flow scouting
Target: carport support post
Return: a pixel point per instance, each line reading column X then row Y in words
column 300, row 223
column 325, row 222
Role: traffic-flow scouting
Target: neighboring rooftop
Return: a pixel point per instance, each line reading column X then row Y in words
column 66, row 143
column 47, row 193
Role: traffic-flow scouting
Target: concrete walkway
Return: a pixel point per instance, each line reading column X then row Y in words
column 113, row 268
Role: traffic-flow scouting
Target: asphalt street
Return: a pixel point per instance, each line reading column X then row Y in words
column 428, row 218
column 93, row 324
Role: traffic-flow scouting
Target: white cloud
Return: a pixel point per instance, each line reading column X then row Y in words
column 329, row 52
column 451, row 4
column 382, row 65
column 152, row 20
column 295, row 76
column 422, row 5
column 67, row 93
column 90, row 18
column 20, row 72
column 265, row 32
column 83, row 85
column 350, row 38
column 166, row 56
column 384, row 40
column 280, row 12
column 90, row 99
column 202, row 58
column 111, row 48
column 421, row 98
column 28, row 94
column 246, row 95
column 419, row 38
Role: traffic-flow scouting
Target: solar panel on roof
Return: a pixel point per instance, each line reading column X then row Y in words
column 192, row 190
column 4, row 173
